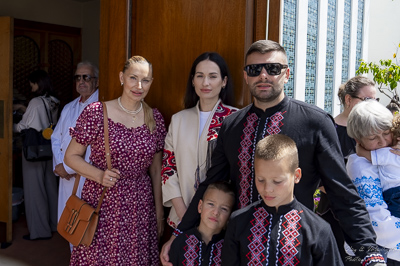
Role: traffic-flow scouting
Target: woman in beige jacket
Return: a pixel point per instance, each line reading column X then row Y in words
column 193, row 132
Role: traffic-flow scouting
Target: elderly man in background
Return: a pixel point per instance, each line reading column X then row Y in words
column 87, row 81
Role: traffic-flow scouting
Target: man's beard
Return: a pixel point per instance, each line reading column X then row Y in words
column 271, row 96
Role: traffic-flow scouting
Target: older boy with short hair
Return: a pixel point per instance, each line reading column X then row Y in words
column 278, row 230
column 202, row 245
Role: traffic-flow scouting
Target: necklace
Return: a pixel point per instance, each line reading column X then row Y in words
column 134, row 112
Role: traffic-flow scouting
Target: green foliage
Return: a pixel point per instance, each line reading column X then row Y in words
column 386, row 75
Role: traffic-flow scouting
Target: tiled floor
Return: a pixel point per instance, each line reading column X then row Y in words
column 53, row 252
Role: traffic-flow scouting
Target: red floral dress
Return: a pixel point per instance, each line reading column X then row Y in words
column 127, row 229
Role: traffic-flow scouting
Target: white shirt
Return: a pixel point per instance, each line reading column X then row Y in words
column 388, row 167
column 366, row 179
column 60, row 138
column 35, row 115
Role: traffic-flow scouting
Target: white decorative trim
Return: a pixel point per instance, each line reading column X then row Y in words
column 365, row 34
column 321, row 54
column 301, row 50
column 337, row 72
column 353, row 38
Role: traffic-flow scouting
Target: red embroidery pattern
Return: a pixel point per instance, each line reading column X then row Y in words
column 171, row 223
column 257, row 239
column 245, row 164
column 220, row 114
column 168, row 165
column 289, row 241
column 192, row 251
column 216, row 260
column 275, row 123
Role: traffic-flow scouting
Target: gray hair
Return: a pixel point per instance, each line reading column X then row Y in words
column 94, row 68
column 368, row 118
column 265, row 46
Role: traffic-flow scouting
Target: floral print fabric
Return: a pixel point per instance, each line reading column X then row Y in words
column 127, row 229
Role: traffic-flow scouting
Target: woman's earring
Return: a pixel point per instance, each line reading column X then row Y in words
column 122, row 83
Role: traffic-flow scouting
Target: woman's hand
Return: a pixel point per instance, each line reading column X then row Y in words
column 110, row 177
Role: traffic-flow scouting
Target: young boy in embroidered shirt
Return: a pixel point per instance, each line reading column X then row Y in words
column 202, row 245
column 278, row 230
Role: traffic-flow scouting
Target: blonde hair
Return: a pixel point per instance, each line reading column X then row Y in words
column 148, row 111
column 395, row 130
column 277, row 147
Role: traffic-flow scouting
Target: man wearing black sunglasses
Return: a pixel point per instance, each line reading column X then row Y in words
column 86, row 81
column 266, row 71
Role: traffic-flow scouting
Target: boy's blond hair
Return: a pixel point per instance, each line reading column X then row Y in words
column 277, row 147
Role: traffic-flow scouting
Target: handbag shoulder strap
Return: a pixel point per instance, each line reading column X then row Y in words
column 108, row 158
column 107, row 148
column 106, row 141
column 49, row 117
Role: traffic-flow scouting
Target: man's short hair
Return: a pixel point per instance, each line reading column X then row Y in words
column 368, row 118
column 221, row 186
column 94, row 68
column 265, row 46
column 277, row 147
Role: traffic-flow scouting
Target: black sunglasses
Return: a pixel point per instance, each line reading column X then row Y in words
column 86, row 78
column 366, row 98
column 272, row 69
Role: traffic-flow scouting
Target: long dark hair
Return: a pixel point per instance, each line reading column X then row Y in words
column 226, row 94
column 43, row 81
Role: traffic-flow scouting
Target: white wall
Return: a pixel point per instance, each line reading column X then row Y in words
column 384, row 32
column 84, row 15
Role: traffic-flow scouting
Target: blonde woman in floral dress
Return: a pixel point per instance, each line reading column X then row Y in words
column 131, row 214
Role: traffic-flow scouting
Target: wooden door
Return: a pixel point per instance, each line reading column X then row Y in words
column 171, row 34
column 6, row 94
column 54, row 48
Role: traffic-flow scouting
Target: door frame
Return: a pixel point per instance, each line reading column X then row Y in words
column 6, row 97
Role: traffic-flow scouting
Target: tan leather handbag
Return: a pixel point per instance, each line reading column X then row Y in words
column 78, row 221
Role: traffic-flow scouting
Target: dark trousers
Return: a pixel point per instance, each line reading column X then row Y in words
column 392, row 199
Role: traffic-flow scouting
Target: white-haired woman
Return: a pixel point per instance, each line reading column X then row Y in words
column 369, row 123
